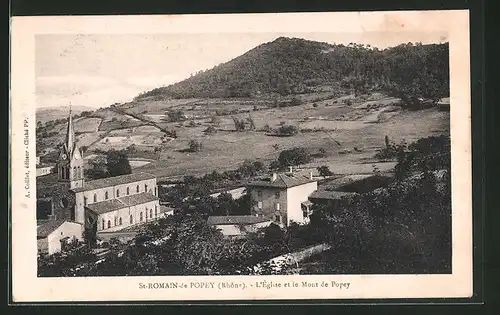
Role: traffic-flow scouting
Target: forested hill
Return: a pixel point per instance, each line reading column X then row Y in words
column 292, row 65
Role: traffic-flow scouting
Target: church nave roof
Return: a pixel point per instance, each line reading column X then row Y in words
column 120, row 203
column 114, row 181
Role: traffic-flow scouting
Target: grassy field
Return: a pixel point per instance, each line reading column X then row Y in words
column 360, row 129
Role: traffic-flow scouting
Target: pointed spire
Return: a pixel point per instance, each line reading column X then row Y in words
column 70, row 134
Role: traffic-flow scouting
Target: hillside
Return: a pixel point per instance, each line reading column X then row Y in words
column 291, row 66
column 53, row 113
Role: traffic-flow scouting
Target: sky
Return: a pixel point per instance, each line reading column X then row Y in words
column 99, row 70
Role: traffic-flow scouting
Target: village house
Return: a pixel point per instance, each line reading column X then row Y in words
column 283, row 198
column 54, row 235
column 238, row 225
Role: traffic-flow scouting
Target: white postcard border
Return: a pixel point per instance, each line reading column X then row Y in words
column 26, row 287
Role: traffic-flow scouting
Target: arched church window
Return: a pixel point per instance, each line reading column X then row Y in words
column 128, row 191
column 145, row 188
column 106, row 195
column 140, row 217
column 118, row 193
column 151, row 213
column 131, row 219
column 95, row 197
column 109, row 224
column 137, row 188
column 156, row 211
column 74, row 172
column 84, row 201
column 103, row 226
column 120, row 221
column 79, row 173
column 146, row 213
column 116, row 220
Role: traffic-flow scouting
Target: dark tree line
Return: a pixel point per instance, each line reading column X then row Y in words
column 112, row 163
column 291, row 66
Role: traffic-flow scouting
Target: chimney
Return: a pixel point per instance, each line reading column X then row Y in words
column 274, row 177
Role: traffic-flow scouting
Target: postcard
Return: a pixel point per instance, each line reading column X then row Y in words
column 241, row 157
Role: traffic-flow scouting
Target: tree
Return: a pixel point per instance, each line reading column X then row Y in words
column 98, row 168
column 295, row 156
column 275, row 165
column 239, row 124
column 117, row 163
column 324, row 171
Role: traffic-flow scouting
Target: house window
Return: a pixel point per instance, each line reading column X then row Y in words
column 85, row 201
column 95, row 197
column 305, row 214
column 137, row 188
column 277, row 218
column 128, row 191
column 140, row 217
column 131, row 219
column 106, row 195
column 156, row 191
column 117, row 193
column 109, row 224
column 120, row 220
column 151, row 213
column 259, row 204
column 277, row 194
column 259, row 193
column 277, row 206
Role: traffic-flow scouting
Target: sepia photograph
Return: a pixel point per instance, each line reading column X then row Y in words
column 271, row 153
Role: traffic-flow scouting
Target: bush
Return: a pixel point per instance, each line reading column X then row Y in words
column 287, row 130
column 195, row 146
column 210, row 130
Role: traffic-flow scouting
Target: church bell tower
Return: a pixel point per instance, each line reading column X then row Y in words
column 70, row 161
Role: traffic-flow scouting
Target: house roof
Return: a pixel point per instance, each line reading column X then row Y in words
column 138, row 199
column 114, row 181
column 283, row 180
column 331, row 195
column 235, row 219
column 120, row 203
column 46, row 228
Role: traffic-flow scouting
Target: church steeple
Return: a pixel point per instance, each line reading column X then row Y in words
column 70, row 135
column 70, row 163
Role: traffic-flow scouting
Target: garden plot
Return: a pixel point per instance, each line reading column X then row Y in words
column 87, row 124
column 86, row 139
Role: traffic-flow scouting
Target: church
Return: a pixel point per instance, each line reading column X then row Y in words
column 108, row 204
